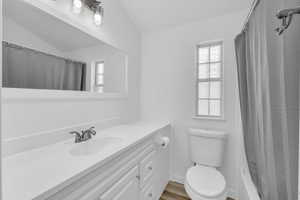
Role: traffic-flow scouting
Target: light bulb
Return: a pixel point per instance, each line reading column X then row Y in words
column 98, row 18
column 77, row 5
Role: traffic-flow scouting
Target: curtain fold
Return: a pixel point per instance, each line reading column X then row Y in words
column 264, row 127
column 27, row 68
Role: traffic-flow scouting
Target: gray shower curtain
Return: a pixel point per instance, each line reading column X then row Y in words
column 27, row 68
column 265, row 126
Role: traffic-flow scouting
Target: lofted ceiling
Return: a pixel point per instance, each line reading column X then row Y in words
column 156, row 14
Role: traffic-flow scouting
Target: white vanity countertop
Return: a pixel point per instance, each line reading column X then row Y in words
column 29, row 174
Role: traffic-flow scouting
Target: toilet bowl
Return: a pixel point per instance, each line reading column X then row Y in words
column 205, row 183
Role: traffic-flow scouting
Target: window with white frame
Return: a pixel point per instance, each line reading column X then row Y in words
column 210, row 80
column 99, row 76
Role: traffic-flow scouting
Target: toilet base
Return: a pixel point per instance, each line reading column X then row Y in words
column 195, row 196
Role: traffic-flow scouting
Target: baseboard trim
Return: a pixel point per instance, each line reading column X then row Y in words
column 36, row 140
column 232, row 193
column 177, row 178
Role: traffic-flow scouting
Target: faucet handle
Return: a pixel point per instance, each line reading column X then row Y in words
column 92, row 130
column 77, row 136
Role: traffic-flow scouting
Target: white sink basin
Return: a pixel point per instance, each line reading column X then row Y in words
column 94, row 146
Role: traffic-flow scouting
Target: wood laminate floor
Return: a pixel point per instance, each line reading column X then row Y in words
column 176, row 191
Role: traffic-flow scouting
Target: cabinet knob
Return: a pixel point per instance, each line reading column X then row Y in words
column 150, row 168
column 138, row 177
column 150, row 194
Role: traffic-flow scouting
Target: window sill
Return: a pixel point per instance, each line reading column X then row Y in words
column 209, row 118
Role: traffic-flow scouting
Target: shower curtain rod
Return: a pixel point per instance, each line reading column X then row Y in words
column 253, row 6
column 12, row 45
column 286, row 15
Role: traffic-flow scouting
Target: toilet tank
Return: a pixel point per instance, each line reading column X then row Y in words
column 207, row 147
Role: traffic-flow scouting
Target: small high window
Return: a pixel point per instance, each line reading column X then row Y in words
column 210, row 80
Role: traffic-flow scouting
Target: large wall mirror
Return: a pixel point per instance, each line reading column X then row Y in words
column 41, row 52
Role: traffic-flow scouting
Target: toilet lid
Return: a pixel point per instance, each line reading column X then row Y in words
column 206, row 181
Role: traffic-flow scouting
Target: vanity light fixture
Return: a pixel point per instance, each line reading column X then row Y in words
column 98, row 16
column 94, row 5
column 77, row 6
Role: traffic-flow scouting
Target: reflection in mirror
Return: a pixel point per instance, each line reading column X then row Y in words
column 37, row 56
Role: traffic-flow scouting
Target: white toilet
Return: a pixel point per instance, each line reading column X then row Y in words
column 203, row 181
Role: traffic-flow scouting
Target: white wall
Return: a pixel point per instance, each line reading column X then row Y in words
column 23, row 118
column 168, row 87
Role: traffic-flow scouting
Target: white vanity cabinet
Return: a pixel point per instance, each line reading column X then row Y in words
column 139, row 173
column 126, row 188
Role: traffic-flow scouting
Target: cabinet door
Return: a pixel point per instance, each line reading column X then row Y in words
column 147, row 168
column 126, row 188
column 147, row 193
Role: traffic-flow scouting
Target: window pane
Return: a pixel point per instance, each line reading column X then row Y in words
column 203, row 55
column 215, row 70
column 203, row 71
column 215, row 89
column 215, row 53
column 99, row 79
column 100, row 68
column 203, row 89
column 203, row 107
column 215, row 107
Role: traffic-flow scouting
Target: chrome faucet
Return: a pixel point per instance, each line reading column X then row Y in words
column 85, row 135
